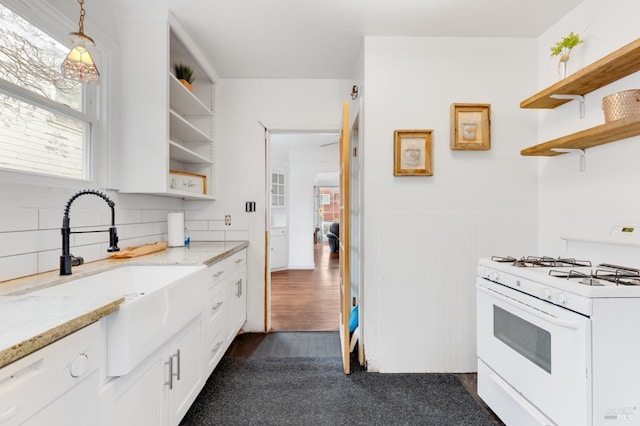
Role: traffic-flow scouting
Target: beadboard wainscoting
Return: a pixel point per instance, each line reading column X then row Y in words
column 427, row 283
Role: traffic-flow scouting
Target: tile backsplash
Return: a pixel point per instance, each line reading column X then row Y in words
column 30, row 222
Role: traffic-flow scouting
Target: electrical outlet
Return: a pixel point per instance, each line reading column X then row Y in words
column 227, row 219
column 250, row 206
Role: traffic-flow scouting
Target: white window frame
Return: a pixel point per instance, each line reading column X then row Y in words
column 101, row 169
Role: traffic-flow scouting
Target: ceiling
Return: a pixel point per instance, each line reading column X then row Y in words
column 322, row 39
column 318, row 145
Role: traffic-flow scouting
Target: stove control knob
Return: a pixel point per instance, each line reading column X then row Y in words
column 495, row 276
column 547, row 293
column 562, row 298
column 485, row 273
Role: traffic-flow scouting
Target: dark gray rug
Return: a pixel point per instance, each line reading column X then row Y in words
column 314, row 391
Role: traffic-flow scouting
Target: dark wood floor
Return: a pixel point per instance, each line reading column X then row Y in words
column 307, row 300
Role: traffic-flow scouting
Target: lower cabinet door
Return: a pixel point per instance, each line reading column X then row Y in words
column 185, row 381
column 76, row 407
column 136, row 399
column 159, row 391
column 278, row 257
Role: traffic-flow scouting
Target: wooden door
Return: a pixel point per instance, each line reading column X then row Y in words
column 345, row 241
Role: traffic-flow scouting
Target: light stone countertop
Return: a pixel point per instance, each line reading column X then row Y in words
column 28, row 323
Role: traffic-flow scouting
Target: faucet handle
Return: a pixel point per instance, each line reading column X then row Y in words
column 113, row 240
column 67, row 261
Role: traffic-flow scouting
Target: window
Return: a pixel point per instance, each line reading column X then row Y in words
column 330, row 201
column 47, row 122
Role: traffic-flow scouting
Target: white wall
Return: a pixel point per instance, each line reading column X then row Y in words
column 279, row 104
column 423, row 235
column 607, row 191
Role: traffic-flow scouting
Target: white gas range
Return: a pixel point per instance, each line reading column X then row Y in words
column 559, row 338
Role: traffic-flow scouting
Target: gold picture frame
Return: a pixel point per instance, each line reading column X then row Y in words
column 471, row 126
column 413, row 153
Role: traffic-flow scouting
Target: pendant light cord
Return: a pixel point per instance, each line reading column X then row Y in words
column 81, row 22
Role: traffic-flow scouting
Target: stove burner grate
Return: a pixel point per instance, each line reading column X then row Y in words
column 577, row 276
column 618, row 275
column 541, row 261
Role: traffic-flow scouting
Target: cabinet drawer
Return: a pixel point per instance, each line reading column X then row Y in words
column 278, row 231
column 31, row 383
column 237, row 260
column 215, row 303
column 216, row 273
column 214, row 349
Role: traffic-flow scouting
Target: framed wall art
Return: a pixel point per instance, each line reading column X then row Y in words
column 413, row 153
column 471, row 126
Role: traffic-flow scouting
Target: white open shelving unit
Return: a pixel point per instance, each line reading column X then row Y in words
column 165, row 126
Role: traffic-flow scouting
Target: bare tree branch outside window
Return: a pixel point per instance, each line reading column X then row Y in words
column 33, row 138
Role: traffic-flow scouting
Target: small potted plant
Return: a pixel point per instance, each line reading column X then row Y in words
column 185, row 74
column 563, row 49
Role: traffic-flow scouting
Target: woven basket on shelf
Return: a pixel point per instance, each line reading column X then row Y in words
column 620, row 105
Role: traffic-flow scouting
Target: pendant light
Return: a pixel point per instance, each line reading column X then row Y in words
column 79, row 64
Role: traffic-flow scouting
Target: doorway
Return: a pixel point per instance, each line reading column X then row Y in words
column 304, row 273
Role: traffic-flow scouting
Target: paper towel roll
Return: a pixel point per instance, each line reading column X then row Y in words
column 175, row 228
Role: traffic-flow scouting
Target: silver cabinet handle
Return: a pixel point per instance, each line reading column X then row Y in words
column 217, row 306
column 170, row 381
column 217, row 274
column 177, row 355
column 173, row 374
column 238, row 261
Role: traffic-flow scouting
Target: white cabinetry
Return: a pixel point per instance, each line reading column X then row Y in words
column 225, row 310
column 184, row 378
column 278, row 253
column 57, row 385
column 238, row 296
column 165, row 126
column 159, row 391
column 214, row 316
column 278, row 186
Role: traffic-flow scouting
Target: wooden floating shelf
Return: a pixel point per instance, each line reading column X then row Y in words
column 599, row 135
column 616, row 65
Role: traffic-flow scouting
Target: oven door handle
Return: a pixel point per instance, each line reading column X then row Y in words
column 535, row 312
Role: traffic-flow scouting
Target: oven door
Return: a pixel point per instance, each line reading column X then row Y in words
column 538, row 356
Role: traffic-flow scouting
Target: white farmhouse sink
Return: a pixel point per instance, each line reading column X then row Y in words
column 159, row 301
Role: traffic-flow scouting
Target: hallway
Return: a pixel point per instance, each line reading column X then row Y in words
column 307, row 300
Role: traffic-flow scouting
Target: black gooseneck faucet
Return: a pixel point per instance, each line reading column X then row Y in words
column 67, row 260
